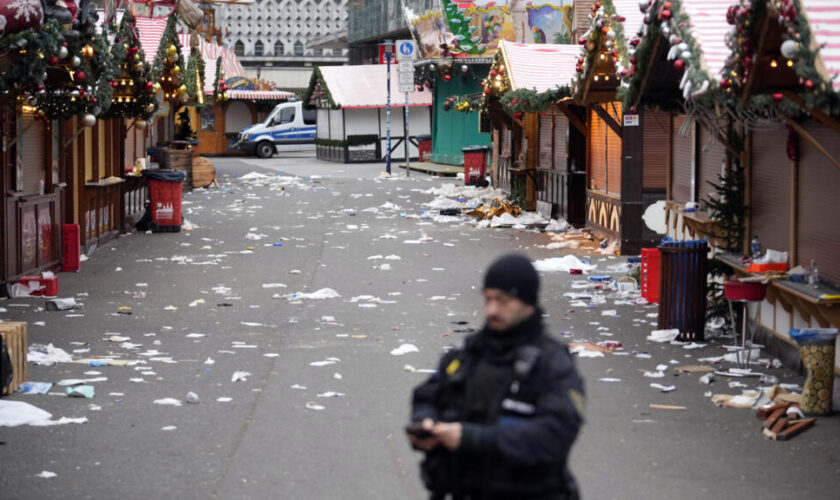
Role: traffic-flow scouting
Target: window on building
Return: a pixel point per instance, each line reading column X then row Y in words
column 208, row 119
column 239, row 48
column 317, row 52
column 298, row 48
column 279, row 49
column 258, row 48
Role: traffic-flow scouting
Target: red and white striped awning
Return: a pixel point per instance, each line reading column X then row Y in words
column 150, row 30
column 824, row 19
column 539, row 67
column 259, row 95
column 629, row 10
column 709, row 28
column 363, row 86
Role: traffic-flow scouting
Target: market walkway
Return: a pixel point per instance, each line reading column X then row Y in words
column 319, row 412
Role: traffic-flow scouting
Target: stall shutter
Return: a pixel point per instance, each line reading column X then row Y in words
column 561, row 132
column 507, row 141
column 681, row 162
column 546, row 136
column 597, row 153
column 130, row 148
column 712, row 159
column 32, row 154
column 819, row 183
column 770, row 189
column 614, row 150
column 656, row 150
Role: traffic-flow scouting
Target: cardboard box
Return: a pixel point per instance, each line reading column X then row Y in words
column 15, row 336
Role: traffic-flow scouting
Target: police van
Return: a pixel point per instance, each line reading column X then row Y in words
column 288, row 124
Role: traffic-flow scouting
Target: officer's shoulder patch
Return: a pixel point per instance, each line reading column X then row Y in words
column 578, row 400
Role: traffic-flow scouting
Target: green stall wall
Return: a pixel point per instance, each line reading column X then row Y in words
column 453, row 130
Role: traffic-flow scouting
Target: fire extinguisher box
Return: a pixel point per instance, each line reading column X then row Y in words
column 165, row 199
column 70, row 247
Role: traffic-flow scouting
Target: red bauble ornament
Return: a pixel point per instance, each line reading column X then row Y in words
column 447, row 77
column 493, row 73
column 623, row 73
column 809, row 84
column 40, row 87
column 419, row 88
column 54, row 61
column 517, row 115
column 778, row 96
column 632, row 60
column 80, row 76
column 666, row 14
column 94, row 100
column 580, row 60
column 634, row 42
column 487, row 91
column 679, row 64
column 581, row 40
column 667, row 5
column 724, row 83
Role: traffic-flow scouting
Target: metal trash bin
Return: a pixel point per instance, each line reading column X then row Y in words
column 682, row 287
column 817, row 348
column 424, row 147
column 475, row 164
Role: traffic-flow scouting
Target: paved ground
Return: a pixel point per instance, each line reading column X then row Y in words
column 265, row 442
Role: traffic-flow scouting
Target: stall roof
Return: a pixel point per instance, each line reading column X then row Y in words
column 633, row 17
column 708, row 19
column 260, row 95
column 211, row 52
column 539, row 67
column 824, row 18
column 150, row 31
column 363, row 86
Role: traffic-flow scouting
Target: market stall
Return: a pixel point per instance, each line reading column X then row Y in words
column 352, row 121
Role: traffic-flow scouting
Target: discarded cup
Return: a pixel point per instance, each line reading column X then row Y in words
column 192, row 398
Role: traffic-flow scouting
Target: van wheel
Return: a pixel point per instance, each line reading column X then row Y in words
column 265, row 149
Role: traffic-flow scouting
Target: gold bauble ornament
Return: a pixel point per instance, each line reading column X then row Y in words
column 172, row 50
column 182, row 89
column 136, row 57
column 157, row 87
column 176, row 70
column 140, row 124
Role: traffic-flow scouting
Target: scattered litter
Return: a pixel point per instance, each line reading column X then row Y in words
column 667, row 407
column 313, row 406
column 80, row 391
column 330, row 394
column 609, row 379
column 240, row 376
column 273, row 285
column 35, row 387
column 707, row 378
column 168, row 428
column 299, row 387
column 47, row 355
column 693, row 369
column 79, row 381
column 195, row 335
column 46, row 474
column 60, row 304
column 663, row 336
column 223, row 399
column 168, row 402
column 664, row 388
column 15, row 413
column 324, row 293
column 196, row 302
column 562, row 264
column 404, row 349
column 192, row 398
column 271, row 355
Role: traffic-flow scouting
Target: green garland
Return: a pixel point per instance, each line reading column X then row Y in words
column 316, row 79
column 88, row 89
column 127, row 50
column 219, row 82
column 24, row 57
column 606, row 18
column 464, row 104
column 531, row 101
column 195, row 75
column 817, row 92
column 170, row 36
column 702, row 87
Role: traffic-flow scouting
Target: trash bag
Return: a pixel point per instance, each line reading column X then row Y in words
column 495, row 209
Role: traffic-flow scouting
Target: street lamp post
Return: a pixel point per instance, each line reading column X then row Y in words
column 389, row 45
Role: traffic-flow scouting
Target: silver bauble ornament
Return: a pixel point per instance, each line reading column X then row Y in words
column 62, row 52
column 75, row 61
column 140, row 124
column 788, row 48
column 88, row 120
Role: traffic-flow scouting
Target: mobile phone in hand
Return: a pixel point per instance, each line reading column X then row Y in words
column 417, row 430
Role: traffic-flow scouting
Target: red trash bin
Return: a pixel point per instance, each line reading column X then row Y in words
column 70, row 251
column 165, row 199
column 650, row 274
column 424, row 147
column 475, row 164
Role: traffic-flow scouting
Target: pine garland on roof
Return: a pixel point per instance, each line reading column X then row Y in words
column 607, row 28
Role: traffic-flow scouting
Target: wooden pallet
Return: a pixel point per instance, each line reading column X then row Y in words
column 15, row 336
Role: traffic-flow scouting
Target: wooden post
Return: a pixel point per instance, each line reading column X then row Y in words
column 532, row 134
column 746, row 160
column 670, row 166
column 794, row 212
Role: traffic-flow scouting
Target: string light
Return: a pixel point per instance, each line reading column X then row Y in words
column 790, row 63
column 773, row 63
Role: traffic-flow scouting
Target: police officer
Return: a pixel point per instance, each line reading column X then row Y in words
column 499, row 417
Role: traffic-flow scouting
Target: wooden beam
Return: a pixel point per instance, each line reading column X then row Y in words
column 651, row 62
column 819, row 115
column 574, row 119
column 762, row 42
column 609, row 120
column 810, row 138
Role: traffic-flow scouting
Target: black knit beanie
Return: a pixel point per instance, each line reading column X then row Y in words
column 514, row 275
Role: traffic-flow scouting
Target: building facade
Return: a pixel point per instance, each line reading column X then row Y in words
column 277, row 39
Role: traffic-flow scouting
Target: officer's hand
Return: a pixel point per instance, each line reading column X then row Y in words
column 449, row 434
column 425, row 444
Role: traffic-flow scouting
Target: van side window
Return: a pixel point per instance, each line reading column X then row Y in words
column 287, row 115
column 310, row 116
